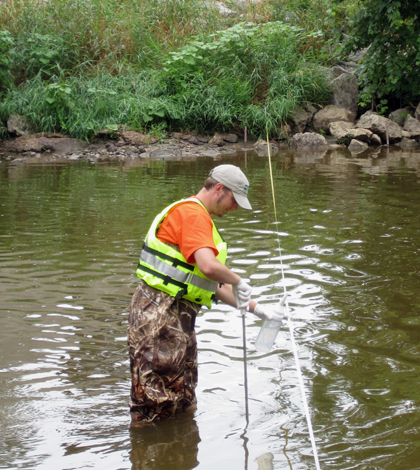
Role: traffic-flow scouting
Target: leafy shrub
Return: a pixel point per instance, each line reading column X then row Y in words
column 247, row 75
column 6, row 45
column 248, row 68
column 391, row 65
column 47, row 54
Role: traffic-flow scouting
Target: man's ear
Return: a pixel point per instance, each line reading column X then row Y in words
column 219, row 187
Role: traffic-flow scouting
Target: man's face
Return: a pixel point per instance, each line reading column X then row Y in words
column 225, row 203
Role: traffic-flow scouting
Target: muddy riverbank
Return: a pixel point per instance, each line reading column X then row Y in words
column 56, row 147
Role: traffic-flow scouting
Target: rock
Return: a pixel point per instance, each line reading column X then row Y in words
column 301, row 118
column 340, row 126
column 261, row 146
column 356, row 57
column 193, row 140
column 380, row 125
column 136, row 138
column 231, row 138
column 217, row 140
column 399, row 116
column 224, row 10
column 324, row 117
column 412, row 126
column 19, row 125
column 285, row 131
column 406, row 134
column 345, row 92
column 220, row 139
column 407, row 143
column 337, row 70
column 308, row 139
column 417, row 112
column 177, row 135
column 356, row 146
column 375, row 140
column 342, row 130
column 364, row 135
column 41, row 143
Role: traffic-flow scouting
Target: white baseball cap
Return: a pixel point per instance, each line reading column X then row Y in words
column 233, row 178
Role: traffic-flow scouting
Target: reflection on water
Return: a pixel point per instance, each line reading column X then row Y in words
column 70, row 235
column 169, row 444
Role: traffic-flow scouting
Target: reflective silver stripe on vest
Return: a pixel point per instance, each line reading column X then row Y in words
column 177, row 274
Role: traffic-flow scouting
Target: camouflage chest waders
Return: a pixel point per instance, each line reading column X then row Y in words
column 163, row 354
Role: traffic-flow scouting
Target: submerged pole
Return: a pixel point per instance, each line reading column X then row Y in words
column 243, row 312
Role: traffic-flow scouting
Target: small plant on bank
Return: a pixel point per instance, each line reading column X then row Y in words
column 344, row 141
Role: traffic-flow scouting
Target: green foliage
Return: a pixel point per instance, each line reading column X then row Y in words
column 6, row 45
column 216, row 82
column 391, row 65
column 242, row 70
column 344, row 141
column 45, row 53
column 80, row 67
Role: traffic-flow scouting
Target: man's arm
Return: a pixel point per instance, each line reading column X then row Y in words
column 212, row 268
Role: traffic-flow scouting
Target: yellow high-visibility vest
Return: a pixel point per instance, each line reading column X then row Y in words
column 164, row 268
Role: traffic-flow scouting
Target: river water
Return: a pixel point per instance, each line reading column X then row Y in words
column 70, row 236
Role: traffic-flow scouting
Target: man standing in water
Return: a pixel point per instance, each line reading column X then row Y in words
column 182, row 267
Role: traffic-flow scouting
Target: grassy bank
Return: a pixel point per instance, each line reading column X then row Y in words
column 78, row 67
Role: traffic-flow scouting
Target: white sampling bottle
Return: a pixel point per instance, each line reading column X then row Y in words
column 270, row 328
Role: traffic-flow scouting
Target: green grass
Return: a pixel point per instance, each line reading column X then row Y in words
column 78, row 67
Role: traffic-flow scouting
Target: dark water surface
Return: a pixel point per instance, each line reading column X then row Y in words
column 70, row 235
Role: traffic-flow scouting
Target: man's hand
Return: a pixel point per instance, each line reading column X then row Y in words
column 242, row 292
column 269, row 312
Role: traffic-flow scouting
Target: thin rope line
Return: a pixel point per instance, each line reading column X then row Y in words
column 295, row 352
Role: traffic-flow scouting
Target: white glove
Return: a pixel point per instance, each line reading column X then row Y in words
column 242, row 292
column 269, row 312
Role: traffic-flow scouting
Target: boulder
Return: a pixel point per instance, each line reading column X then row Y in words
column 380, row 125
column 285, row 131
column 217, row 140
column 345, row 92
column 323, row 118
column 220, row 139
column 399, row 116
column 301, row 117
column 417, row 112
column 342, row 132
column 136, row 138
column 412, row 126
column 375, row 140
column 231, row 138
column 177, row 135
column 405, row 143
column 19, row 125
column 340, row 126
column 261, row 146
column 194, row 140
column 337, row 70
column 41, row 143
column 356, row 146
column 307, row 139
